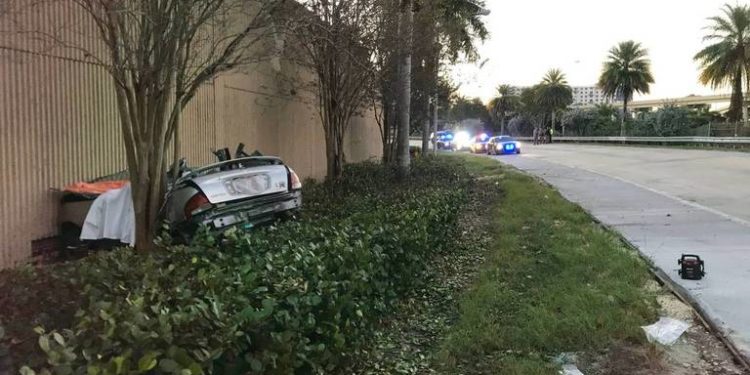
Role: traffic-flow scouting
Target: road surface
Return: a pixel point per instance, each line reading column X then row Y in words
column 667, row 202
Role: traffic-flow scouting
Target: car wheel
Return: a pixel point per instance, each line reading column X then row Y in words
column 518, row 151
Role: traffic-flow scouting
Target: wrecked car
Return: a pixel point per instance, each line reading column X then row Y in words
column 240, row 192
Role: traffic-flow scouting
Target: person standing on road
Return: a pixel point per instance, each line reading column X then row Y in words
column 535, row 133
column 551, row 133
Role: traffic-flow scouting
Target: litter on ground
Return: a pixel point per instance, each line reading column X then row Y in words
column 666, row 331
column 570, row 370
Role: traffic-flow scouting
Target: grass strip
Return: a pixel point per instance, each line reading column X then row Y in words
column 554, row 281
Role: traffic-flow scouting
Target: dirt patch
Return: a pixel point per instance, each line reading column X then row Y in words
column 26, row 295
column 697, row 352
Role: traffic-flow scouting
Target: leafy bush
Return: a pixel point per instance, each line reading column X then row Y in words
column 602, row 120
column 669, row 121
column 289, row 298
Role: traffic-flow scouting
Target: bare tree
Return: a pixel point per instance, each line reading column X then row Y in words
column 159, row 53
column 337, row 39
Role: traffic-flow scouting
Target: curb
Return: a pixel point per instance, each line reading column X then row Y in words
column 663, row 278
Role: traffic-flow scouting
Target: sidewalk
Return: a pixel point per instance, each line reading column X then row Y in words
column 663, row 228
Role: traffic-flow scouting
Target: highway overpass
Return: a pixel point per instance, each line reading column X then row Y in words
column 717, row 102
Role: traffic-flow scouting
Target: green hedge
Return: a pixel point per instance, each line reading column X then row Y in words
column 291, row 298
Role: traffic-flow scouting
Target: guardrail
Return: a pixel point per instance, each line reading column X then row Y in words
column 714, row 141
column 696, row 141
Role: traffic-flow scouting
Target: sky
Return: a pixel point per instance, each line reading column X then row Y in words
column 529, row 37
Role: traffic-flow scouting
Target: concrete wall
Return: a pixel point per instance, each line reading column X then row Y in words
column 59, row 124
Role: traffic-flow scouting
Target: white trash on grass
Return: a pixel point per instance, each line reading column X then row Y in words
column 666, row 331
column 570, row 370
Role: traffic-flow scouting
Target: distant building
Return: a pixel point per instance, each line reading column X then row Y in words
column 589, row 96
column 583, row 96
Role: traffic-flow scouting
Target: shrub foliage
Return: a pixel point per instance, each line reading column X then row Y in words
column 290, row 298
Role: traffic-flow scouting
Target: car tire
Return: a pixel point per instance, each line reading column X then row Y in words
column 518, row 152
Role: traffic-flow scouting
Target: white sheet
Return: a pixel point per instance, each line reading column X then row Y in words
column 111, row 216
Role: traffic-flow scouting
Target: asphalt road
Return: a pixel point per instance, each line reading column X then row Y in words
column 719, row 180
column 667, row 202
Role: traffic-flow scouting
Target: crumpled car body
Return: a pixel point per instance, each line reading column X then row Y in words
column 239, row 193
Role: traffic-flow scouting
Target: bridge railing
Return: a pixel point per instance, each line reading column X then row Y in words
column 696, row 141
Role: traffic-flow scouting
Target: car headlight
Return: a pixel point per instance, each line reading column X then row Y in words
column 462, row 139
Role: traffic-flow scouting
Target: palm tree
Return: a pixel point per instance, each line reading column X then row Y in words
column 502, row 105
column 626, row 71
column 725, row 62
column 554, row 93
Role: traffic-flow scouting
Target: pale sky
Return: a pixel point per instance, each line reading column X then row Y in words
column 529, row 37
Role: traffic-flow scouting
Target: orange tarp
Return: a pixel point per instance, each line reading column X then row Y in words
column 95, row 187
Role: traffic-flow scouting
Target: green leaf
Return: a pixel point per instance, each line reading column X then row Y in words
column 58, row 338
column 195, row 369
column 118, row 364
column 168, row 365
column 44, row 343
column 256, row 365
column 25, row 370
column 148, row 361
column 93, row 370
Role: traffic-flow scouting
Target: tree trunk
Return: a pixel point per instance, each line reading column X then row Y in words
column 426, row 130
column 144, row 126
column 334, row 156
column 389, row 110
column 147, row 197
column 553, row 121
column 502, row 125
column 435, row 122
column 736, row 103
column 404, row 89
column 176, row 151
column 624, row 115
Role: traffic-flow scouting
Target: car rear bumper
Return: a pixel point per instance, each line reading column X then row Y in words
column 245, row 214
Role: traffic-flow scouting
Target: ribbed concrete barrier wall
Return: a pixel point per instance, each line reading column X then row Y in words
column 59, row 124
